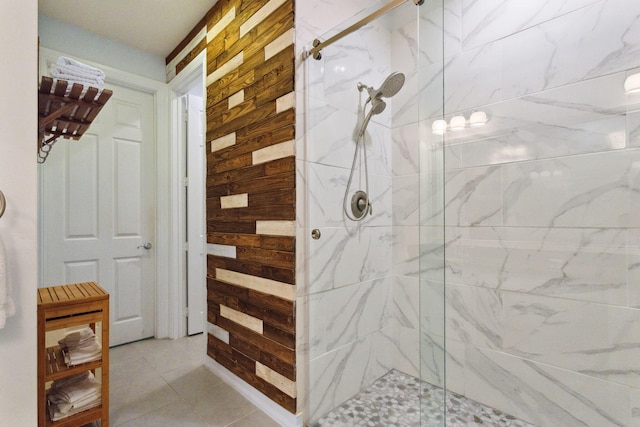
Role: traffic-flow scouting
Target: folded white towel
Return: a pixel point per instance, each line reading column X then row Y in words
column 71, row 79
column 65, row 62
column 7, row 306
column 79, row 72
column 80, row 347
column 74, row 71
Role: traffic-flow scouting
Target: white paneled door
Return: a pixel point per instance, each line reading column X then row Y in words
column 98, row 212
column 196, row 259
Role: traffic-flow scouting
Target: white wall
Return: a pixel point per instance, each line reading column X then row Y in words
column 18, row 226
column 57, row 35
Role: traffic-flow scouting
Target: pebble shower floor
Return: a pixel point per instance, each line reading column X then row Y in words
column 394, row 401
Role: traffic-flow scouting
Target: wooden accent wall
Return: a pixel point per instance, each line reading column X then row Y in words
column 250, row 189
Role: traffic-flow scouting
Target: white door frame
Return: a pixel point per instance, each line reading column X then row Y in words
column 180, row 85
column 164, row 179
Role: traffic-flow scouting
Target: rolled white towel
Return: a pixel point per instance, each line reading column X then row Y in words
column 64, row 62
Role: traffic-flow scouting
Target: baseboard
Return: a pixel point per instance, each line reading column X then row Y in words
column 266, row 405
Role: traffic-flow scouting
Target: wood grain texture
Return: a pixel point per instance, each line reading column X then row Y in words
column 251, row 179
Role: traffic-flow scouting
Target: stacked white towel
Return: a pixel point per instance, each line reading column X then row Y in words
column 7, row 306
column 80, row 347
column 73, row 394
column 76, row 72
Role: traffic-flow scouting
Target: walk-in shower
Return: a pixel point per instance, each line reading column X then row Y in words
column 360, row 204
column 505, row 223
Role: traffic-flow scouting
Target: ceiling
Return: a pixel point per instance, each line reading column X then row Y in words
column 154, row 26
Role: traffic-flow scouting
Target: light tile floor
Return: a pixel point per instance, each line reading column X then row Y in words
column 165, row 383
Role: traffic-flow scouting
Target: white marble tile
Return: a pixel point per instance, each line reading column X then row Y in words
column 316, row 343
column 406, row 301
column 472, row 78
column 405, row 150
column 440, row 30
column 474, row 315
column 432, row 359
column 542, row 394
column 355, row 311
column 406, row 250
column 406, row 323
column 404, row 40
column 582, row 264
column 633, row 129
column 473, row 197
column 603, row 38
column 573, row 110
column 431, row 80
column 635, row 406
column 339, row 258
column 593, row 339
column 435, row 243
column 405, row 349
column 633, row 267
column 339, row 375
column 442, row 365
column 432, row 307
column 436, row 151
column 583, row 191
column 406, row 200
column 484, row 21
column 540, row 141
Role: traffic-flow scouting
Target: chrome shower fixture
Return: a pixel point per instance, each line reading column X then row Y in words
column 388, row 88
column 391, row 86
column 360, row 202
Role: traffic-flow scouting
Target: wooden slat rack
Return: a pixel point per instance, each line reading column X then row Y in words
column 64, row 307
column 65, row 113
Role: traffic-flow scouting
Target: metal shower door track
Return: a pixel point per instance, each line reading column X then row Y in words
column 318, row 45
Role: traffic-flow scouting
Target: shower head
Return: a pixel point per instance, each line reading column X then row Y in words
column 388, row 88
column 377, row 107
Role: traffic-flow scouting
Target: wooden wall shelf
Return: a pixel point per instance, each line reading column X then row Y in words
column 64, row 112
column 63, row 307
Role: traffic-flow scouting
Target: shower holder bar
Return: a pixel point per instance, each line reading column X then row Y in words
column 318, row 45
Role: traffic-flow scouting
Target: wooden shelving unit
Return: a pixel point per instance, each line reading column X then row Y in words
column 64, row 112
column 64, row 307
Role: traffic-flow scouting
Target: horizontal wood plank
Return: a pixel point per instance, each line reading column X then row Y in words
column 255, row 269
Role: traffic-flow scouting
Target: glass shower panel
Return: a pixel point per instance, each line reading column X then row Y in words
column 430, row 233
column 542, row 196
column 362, row 279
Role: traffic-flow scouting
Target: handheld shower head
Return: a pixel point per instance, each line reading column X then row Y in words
column 377, row 107
column 391, row 86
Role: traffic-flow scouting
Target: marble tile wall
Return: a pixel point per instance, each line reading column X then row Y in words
column 541, row 254
column 541, row 212
column 361, row 293
column 348, row 287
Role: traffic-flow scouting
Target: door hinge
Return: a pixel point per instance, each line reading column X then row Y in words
column 185, row 181
column 186, row 312
column 185, row 246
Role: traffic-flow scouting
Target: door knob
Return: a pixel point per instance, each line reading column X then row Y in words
column 147, row 246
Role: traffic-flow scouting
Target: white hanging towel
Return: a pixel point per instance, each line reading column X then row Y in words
column 7, row 307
